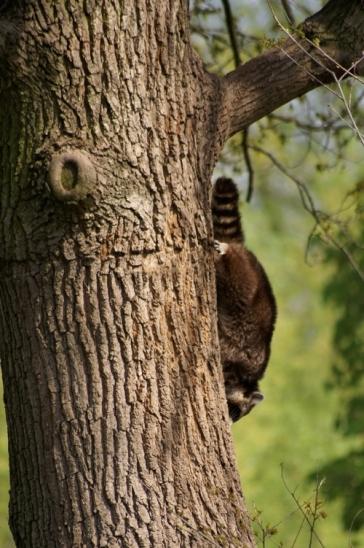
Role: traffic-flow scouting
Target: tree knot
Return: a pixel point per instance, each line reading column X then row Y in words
column 72, row 175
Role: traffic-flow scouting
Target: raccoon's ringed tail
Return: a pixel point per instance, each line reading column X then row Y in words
column 225, row 211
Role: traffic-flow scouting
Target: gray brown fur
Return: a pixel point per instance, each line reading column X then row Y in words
column 245, row 304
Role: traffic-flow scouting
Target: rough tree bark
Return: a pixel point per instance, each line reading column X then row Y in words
column 109, row 130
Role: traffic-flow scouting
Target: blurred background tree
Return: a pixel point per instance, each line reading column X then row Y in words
column 301, row 169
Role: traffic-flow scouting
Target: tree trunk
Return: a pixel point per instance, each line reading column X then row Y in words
column 118, row 430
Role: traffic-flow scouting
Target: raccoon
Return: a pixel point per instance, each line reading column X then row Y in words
column 246, row 306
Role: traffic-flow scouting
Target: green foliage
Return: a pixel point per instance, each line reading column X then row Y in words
column 296, row 424
column 310, row 512
column 302, row 423
column 345, row 290
column 5, row 536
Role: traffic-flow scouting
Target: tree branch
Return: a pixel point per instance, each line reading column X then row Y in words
column 231, row 30
column 248, row 163
column 245, row 136
column 325, row 46
column 288, row 10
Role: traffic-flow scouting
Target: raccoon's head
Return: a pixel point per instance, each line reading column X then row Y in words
column 240, row 403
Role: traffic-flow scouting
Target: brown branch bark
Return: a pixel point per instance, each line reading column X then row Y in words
column 325, row 44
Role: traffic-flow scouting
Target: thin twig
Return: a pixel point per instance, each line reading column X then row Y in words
column 349, row 71
column 317, row 47
column 298, row 504
column 348, row 110
column 325, row 126
column 354, row 128
column 346, row 71
column 311, row 74
column 245, row 136
column 249, row 164
column 289, row 12
column 231, row 30
column 352, row 526
column 314, row 516
column 308, row 203
column 298, row 533
column 297, row 42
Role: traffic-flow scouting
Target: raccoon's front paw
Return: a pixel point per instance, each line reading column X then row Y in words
column 221, row 247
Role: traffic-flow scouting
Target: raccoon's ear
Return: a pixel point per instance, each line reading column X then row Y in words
column 256, row 398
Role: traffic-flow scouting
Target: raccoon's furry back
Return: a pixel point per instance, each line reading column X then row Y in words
column 225, row 211
column 246, row 308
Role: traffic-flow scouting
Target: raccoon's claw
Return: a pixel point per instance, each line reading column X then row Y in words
column 220, row 247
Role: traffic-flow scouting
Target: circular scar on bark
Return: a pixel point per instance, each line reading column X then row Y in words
column 72, row 176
